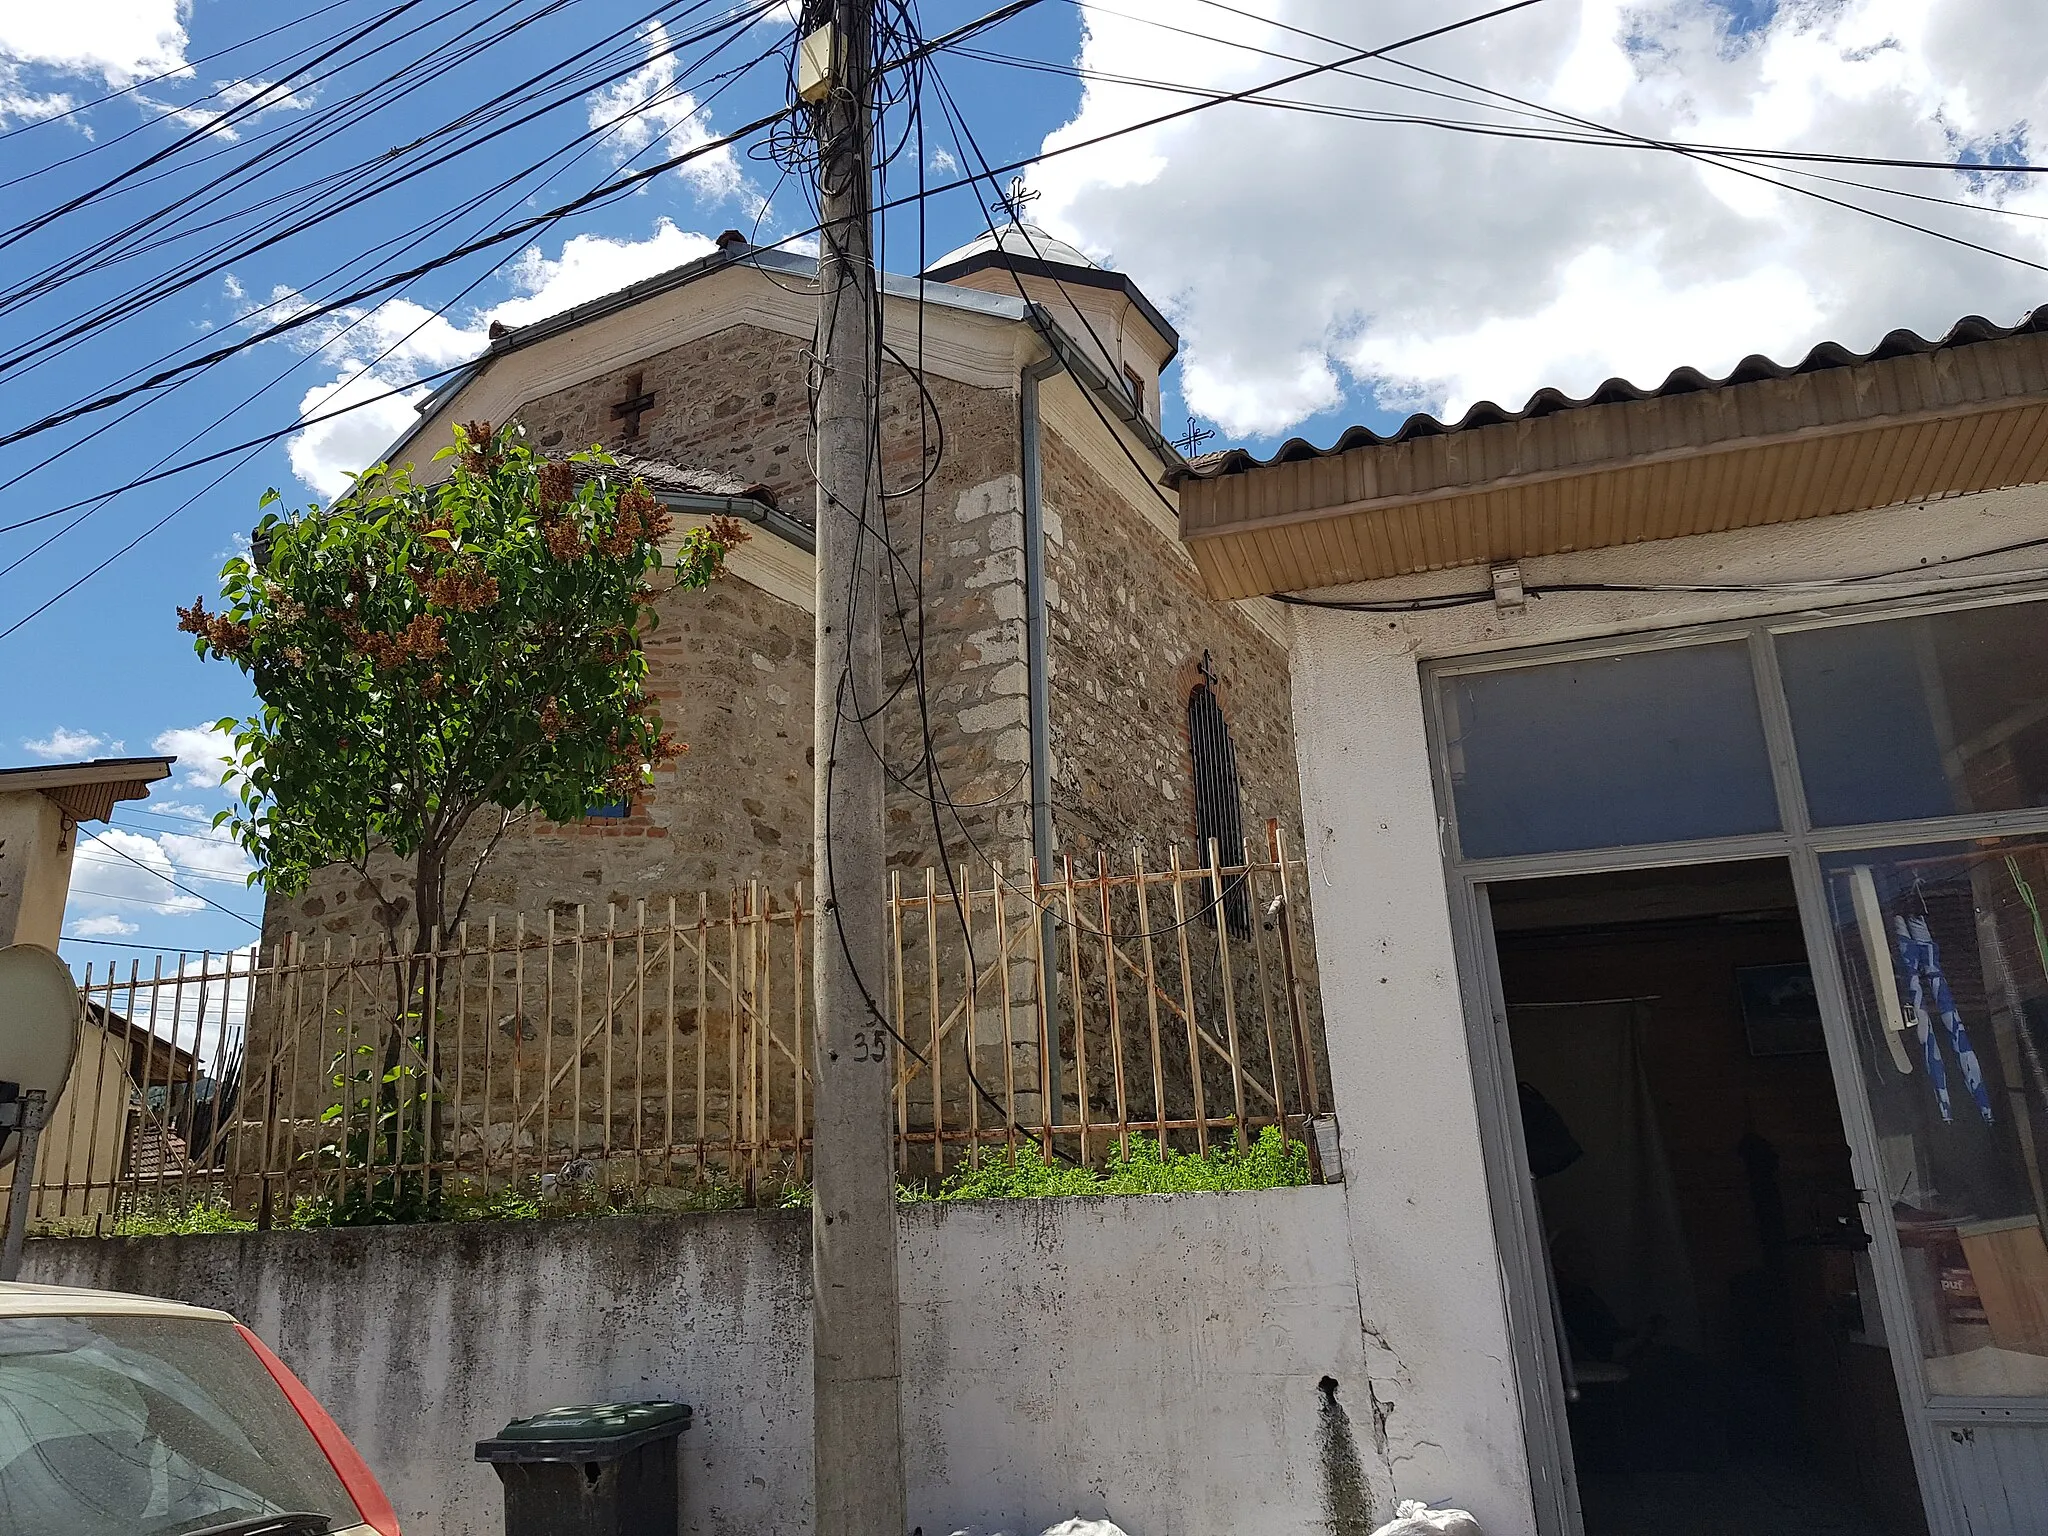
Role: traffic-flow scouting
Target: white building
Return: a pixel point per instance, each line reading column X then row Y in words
column 1683, row 756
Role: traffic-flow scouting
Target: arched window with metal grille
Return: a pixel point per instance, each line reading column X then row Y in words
column 1219, row 801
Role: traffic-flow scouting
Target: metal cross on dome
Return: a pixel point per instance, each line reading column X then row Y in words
column 1192, row 439
column 1016, row 196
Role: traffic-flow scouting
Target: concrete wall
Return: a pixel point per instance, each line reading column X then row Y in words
column 1153, row 1359
column 1401, row 1072
column 35, row 868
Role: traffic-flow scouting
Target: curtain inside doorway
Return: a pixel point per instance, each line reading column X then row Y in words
column 1611, row 1219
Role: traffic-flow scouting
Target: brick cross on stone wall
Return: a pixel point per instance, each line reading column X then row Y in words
column 630, row 409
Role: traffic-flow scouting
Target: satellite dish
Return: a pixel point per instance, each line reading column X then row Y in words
column 38, row 1028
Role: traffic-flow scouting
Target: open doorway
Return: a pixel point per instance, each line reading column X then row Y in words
column 1727, row 1368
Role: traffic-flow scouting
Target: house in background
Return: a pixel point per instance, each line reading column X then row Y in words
column 41, row 809
column 1675, row 771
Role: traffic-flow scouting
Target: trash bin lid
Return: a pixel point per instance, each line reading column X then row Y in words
column 594, row 1432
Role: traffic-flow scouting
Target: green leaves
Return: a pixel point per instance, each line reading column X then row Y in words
column 423, row 651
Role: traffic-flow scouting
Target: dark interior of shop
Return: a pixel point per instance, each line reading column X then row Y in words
column 1728, row 1369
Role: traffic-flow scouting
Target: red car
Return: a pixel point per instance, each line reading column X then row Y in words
column 131, row 1416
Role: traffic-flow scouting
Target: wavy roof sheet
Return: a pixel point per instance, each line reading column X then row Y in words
column 1968, row 331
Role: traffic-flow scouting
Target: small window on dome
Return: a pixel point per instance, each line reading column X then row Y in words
column 1137, row 383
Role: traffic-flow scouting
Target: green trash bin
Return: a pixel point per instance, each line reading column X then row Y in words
column 604, row 1470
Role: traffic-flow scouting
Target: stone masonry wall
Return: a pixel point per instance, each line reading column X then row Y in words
column 732, row 669
column 731, row 666
column 1127, row 630
column 1128, row 626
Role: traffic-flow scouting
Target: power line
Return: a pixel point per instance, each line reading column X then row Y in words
column 1603, row 138
column 514, row 232
column 623, row 184
column 366, row 369
column 353, row 192
column 191, row 874
column 147, row 949
column 320, row 311
column 161, row 522
column 240, row 109
column 121, row 245
column 228, row 452
column 1831, row 158
column 170, row 74
column 195, row 895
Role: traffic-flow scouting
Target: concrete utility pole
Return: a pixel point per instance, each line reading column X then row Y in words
column 856, row 1356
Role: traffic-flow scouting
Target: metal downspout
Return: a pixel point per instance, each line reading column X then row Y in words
column 1040, row 691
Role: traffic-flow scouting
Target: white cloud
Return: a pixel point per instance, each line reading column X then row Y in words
column 210, row 855
column 118, row 40
column 198, row 813
column 593, row 265
column 105, row 926
column 647, row 105
column 118, row 872
column 201, row 752
column 378, row 350
column 120, row 876
column 1314, row 262
column 63, row 744
column 226, row 97
column 114, row 42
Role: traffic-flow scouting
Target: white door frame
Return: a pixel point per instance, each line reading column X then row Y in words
column 1537, row 1369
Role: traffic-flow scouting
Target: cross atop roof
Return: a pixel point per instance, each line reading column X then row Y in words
column 1016, row 196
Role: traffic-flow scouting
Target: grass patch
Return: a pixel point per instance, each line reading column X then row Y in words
column 165, row 1216
column 1270, row 1162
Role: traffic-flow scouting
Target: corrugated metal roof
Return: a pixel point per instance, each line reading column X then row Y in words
column 1969, row 331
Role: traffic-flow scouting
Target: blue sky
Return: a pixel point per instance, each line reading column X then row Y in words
column 1322, row 269
column 103, row 670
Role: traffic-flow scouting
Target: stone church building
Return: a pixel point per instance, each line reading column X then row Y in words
column 1067, row 641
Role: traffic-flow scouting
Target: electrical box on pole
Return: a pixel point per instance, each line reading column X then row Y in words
column 857, row 1368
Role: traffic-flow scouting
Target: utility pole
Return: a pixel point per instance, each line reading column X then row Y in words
column 857, row 1442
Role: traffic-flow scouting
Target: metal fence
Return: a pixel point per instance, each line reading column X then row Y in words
column 661, row 1050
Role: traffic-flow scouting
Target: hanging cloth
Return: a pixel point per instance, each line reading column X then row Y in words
column 1928, row 994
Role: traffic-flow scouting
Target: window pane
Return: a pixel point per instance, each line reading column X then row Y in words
column 1941, row 715
column 1653, row 747
column 1947, row 966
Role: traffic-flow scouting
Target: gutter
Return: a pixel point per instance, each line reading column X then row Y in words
column 1033, row 479
column 1035, row 608
column 747, row 509
column 1063, row 357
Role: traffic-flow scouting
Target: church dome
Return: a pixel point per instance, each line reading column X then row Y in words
column 1025, row 241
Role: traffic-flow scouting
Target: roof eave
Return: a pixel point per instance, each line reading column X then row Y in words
column 1061, row 272
column 1752, row 482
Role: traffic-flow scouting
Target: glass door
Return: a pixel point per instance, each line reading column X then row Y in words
column 1899, row 759
column 1944, row 955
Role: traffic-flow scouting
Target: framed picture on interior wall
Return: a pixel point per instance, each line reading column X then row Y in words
column 1780, row 1010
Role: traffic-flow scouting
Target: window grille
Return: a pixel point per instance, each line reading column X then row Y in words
column 1219, row 801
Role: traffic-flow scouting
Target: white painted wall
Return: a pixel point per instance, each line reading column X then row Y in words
column 1422, row 1235
column 1152, row 1359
